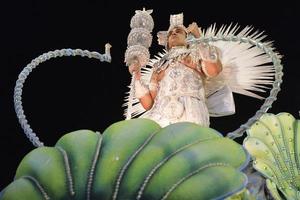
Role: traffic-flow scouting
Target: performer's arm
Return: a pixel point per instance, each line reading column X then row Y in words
column 153, row 86
column 211, row 68
column 145, row 95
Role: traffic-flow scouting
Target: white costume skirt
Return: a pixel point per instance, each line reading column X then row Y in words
column 170, row 109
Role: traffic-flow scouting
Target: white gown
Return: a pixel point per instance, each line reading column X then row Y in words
column 180, row 97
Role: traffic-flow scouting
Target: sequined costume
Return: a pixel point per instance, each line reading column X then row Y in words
column 180, row 97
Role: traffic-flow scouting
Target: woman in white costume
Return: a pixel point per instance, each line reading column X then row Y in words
column 195, row 81
column 176, row 91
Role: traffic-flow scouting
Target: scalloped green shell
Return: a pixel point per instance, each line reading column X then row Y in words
column 133, row 159
column 274, row 142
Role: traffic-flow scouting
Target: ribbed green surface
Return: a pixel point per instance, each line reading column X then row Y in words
column 22, row 189
column 164, row 143
column 133, row 159
column 211, row 182
column 46, row 164
column 80, row 147
column 189, row 160
column 120, row 141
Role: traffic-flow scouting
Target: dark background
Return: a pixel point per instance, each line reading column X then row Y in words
column 67, row 94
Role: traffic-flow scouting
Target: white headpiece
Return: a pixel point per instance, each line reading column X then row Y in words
column 175, row 21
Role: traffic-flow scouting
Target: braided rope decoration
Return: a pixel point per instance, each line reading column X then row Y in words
column 275, row 87
column 34, row 63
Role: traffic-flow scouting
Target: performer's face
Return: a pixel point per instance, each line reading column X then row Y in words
column 176, row 37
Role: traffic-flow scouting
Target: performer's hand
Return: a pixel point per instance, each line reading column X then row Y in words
column 187, row 61
column 194, row 30
column 135, row 68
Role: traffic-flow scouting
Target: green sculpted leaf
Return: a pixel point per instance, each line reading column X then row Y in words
column 133, row 159
column 273, row 143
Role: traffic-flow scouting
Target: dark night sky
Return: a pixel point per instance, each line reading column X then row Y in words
column 67, row 94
